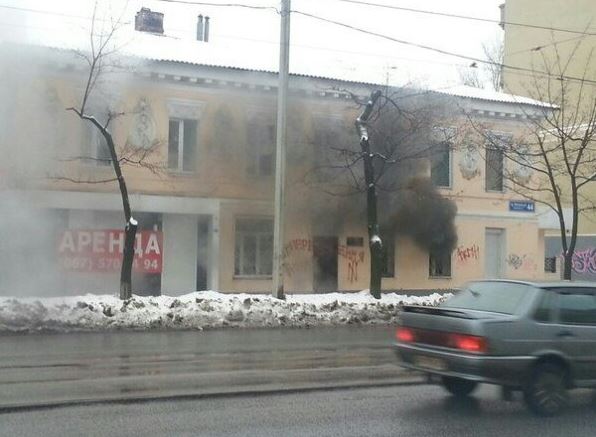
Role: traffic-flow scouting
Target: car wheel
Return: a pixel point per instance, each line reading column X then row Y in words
column 458, row 387
column 546, row 393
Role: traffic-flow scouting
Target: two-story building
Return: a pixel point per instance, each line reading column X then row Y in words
column 204, row 201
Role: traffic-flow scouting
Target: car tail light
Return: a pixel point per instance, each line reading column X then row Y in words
column 470, row 343
column 405, row 335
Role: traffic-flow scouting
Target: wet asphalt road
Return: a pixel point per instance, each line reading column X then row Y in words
column 422, row 410
column 48, row 369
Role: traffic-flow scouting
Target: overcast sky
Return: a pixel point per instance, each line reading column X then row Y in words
column 324, row 47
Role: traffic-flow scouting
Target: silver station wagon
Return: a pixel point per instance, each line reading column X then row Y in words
column 539, row 338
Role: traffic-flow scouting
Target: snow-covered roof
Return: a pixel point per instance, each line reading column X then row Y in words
column 243, row 55
column 492, row 96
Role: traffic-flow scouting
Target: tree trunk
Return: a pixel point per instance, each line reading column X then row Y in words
column 374, row 239
column 130, row 229
column 567, row 264
column 130, row 232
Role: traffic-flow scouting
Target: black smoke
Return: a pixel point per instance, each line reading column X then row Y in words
column 425, row 216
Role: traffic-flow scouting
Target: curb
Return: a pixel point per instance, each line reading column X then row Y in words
column 16, row 408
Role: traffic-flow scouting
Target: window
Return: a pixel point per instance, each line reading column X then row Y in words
column 96, row 149
column 496, row 297
column 388, row 255
column 544, row 310
column 182, row 144
column 355, row 241
column 495, row 161
column 577, row 308
column 440, row 165
column 331, row 141
column 439, row 264
column 261, row 147
column 254, row 247
column 550, row 264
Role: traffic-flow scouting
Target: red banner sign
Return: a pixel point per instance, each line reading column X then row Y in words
column 99, row 250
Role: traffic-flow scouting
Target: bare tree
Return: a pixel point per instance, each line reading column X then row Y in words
column 398, row 133
column 489, row 73
column 98, row 61
column 494, row 52
column 552, row 162
column 470, row 76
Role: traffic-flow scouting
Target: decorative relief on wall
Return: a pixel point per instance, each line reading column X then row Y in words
column 469, row 163
column 142, row 134
column 521, row 171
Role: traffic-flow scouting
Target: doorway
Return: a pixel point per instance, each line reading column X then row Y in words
column 494, row 253
column 324, row 264
column 203, row 252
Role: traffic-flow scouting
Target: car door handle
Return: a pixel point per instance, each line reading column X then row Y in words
column 565, row 334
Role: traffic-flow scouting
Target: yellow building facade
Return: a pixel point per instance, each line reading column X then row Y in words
column 206, row 197
column 546, row 39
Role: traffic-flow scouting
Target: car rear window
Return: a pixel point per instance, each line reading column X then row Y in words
column 496, row 297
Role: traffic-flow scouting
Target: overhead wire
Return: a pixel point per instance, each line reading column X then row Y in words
column 465, row 17
column 441, row 51
column 355, row 28
column 229, row 5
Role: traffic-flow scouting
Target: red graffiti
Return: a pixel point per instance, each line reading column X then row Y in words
column 353, row 256
column 468, row 253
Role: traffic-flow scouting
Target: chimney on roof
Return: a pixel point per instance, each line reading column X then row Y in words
column 203, row 28
column 200, row 28
column 206, row 36
column 147, row 20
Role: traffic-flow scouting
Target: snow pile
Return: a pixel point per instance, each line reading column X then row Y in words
column 201, row 310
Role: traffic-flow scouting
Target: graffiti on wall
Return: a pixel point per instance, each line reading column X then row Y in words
column 352, row 256
column 523, row 262
column 584, row 261
column 464, row 254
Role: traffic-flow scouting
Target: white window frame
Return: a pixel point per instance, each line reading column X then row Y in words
column 259, row 237
column 180, row 164
column 181, row 110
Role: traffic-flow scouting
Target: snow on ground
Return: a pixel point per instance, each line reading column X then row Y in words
column 201, row 310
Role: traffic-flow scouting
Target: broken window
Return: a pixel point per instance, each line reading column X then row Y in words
column 182, row 144
column 440, row 168
column 439, row 264
column 254, row 247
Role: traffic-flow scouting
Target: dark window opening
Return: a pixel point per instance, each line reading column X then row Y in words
column 550, row 264
column 355, row 241
column 494, row 169
column 440, row 170
column 261, row 149
column 439, row 264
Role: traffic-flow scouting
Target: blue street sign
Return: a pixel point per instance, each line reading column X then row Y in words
column 521, row 206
